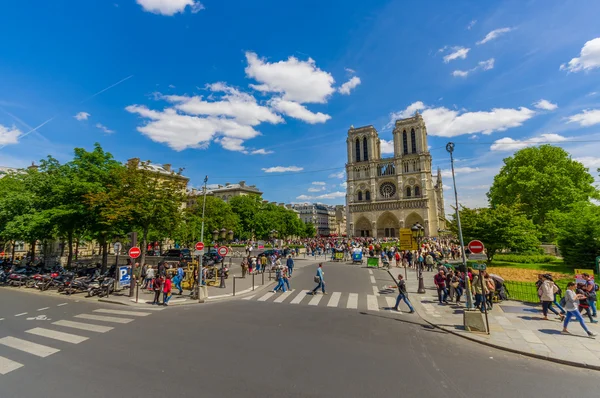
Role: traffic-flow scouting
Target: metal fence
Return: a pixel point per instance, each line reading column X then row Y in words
column 527, row 291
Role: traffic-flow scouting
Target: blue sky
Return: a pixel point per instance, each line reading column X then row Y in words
column 242, row 90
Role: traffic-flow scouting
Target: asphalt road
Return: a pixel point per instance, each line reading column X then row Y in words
column 246, row 348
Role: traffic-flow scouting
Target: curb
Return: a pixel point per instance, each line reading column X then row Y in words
column 528, row 354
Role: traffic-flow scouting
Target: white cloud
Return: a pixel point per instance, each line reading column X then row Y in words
column 233, row 103
column 82, row 116
column 297, row 111
column 171, row 86
column 299, row 81
column 170, row 7
column 589, row 58
column 588, row 117
column 592, row 93
column 232, row 144
column 545, row 105
column 9, row 135
column 444, row 122
column 471, row 24
column 483, row 65
column 282, row 169
column 330, row 195
column 261, row 151
column 460, row 170
column 104, row 128
column 316, row 189
column 387, row 147
column 344, row 185
column 318, row 183
column 349, row 85
column 406, row 113
column 446, row 187
column 457, row 53
column 508, row 144
column 590, row 162
column 341, row 174
column 494, row 34
column 350, row 71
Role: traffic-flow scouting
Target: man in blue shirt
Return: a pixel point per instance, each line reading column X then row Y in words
column 290, row 265
column 319, row 279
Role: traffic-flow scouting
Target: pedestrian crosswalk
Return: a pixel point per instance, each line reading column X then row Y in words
column 355, row 301
column 51, row 339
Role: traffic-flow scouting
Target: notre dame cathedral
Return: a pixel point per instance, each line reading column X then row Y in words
column 385, row 195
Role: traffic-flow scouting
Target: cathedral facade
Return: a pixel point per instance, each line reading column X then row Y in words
column 384, row 195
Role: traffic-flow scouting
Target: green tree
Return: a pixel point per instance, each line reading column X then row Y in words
column 579, row 234
column 218, row 214
column 539, row 180
column 498, row 228
column 309, row 230
column 246, row 207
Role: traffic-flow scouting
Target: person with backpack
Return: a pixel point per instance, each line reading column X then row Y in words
column 402, row 295
column 157, row 284
column 584, row 303
column 279, row 279
column 547, row 292
column 591, row 288
column 319, row 280
column 570, row 301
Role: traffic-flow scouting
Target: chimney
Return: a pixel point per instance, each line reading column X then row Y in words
column 33, row 166
column 227, row 184
column 242, row 183
column 167, row 166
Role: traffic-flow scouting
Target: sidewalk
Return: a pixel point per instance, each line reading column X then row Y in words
column 514, row 326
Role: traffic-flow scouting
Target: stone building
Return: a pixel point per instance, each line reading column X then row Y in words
column 385, row 195
column 225, row 192
column 315, row 213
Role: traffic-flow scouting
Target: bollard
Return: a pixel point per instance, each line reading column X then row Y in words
column 263, row 277
column 234, row 278
column 253, row 281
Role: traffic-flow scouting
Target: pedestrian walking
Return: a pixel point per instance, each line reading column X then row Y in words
column 149, row 278
column 290, row 266
column 584, row 303
column 286, row 277
column 440, row 282
column 143, row 275
column 571, row 305
column 167, row 290
column 402, row 295
column 547, row 292
column 319, row 280
column 179, row 278
column 279, row 279
column 429, row 262
column 591, row 288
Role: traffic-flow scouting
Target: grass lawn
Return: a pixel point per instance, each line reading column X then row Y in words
column 557, row 266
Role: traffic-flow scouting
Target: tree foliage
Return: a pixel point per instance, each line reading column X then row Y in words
column 579, row 234
column 539, row 180
column 498, row 228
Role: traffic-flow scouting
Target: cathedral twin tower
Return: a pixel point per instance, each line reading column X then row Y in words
column 385, row 195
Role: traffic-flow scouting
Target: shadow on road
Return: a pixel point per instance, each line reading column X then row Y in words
column 426, row 327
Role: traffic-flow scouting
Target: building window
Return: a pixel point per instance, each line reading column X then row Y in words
column 359, row 195
column 368, row 195
column 365, row 149
column 357, row 144
column 406, row 167
column 387, row 232
column 392, row 233
column 417, row 191
column 413, row 141
column 408, row 192
column 405, row 142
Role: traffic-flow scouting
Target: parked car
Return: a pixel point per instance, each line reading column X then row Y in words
column 210, row 258
column 270, row 252
column 177, row 255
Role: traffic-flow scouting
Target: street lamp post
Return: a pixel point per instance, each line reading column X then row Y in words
column 417, row 233
column 201, row 300
column 450, row 149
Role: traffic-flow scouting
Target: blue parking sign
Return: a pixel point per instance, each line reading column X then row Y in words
column 124, row 277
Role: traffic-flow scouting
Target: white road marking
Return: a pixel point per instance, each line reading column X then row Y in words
column 1, row 319
column 315, row 300
column 352, row 301
column 6, row 365
column 249, row 297
column 370, row 272
column 376, row 291
column 53, row 334
column 266, row 296
column 120, row 312
column 84, row 326
column 373, row 279
column 335, row 299
column 282, row 297
column 299, row 297
column 372, row 304
column 45, row 308
column 21, row 314
column 104, row 318
column 27, row 346
column 60, row 305
column 391, row 302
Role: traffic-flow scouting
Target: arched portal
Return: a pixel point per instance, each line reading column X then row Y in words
column 362, row 227
column 413, row 218
column 388, row 226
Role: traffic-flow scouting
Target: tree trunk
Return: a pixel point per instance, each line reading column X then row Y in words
column 143, row 247
column 12, row 255
column 70, row 243
column 62, row 248
column 76, row 249
column 103, row 253
column 33, row 252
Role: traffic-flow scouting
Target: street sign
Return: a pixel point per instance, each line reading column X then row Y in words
column 478, row 256
column 2, row 254
column 407, row 242
column 475, row 246
column 479, row 267
column 223, row 250
column 124, row 277
column 135, row 252
column 199, row 246
column 118, row 246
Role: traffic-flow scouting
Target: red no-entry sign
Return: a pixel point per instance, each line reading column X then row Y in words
column 223, row 250
column 135, row 252
column 199, row 246
column 475, row 246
